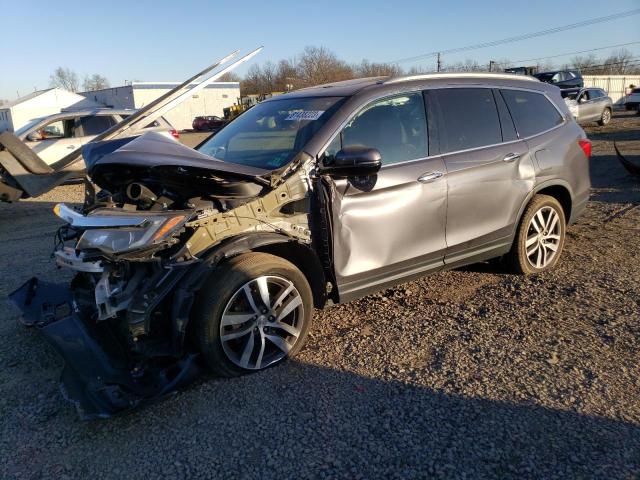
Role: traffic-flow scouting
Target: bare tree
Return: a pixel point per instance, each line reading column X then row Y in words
column 468, row 65
column 64, row 78
column 287, row 75
column 230, row 77
column 584, row 63
column 620, row 62
column 371, row 69
column 95, row 82
column 317, row 65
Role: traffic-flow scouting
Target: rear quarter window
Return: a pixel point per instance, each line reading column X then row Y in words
column 532, row 113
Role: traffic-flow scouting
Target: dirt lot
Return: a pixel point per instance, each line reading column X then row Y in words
column 466, row 374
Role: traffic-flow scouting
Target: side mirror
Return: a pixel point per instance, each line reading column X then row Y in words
column 33, row 137
column 354, row 161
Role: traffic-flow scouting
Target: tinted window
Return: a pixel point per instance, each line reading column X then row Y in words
column 95, row 125
column 396, row 126
column 469, row 119
column 532, row 112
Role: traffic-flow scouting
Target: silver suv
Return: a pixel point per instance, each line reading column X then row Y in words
column 310, row 198
column 590, row 105
column 55, row 136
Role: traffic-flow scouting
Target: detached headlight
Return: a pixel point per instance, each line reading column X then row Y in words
column 117, row 240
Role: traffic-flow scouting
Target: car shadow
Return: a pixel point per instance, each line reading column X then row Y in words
column 303, row 420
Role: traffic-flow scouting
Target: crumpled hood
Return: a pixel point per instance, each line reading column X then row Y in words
column 166, row 165
column 156, row 150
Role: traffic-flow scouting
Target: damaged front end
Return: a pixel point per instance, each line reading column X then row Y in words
column 140, row 251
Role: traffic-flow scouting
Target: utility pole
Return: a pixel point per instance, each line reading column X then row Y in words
column 439, row 66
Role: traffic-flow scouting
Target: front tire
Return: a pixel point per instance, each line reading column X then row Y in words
column 540, row 236
column 254, row 312
column 605, row 118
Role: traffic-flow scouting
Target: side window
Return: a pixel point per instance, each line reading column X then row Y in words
column 469, row 119
column 96, row 124
column 53, row 130
column 532, row 112
column 396, row 126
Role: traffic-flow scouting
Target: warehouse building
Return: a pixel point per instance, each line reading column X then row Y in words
column 209, row 101
column 40, row 103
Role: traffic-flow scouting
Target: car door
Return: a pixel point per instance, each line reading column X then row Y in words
column 588, row 106
column 54, row 140
column 489, row 171
column 390, row 226
column 90, row 126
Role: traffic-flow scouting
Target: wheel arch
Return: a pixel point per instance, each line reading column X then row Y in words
column 556, row 188
column 299, row 254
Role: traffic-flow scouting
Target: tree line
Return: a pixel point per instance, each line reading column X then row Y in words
column 66, row 78
column 317, row 65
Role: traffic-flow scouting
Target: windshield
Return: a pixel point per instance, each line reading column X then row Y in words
column 270, row 134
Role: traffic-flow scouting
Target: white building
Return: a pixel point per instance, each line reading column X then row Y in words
column 40, row 103
column 208, row 101
column 616, row 86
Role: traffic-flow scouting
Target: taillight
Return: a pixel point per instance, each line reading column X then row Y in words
column 174, row 133
column 585, row 145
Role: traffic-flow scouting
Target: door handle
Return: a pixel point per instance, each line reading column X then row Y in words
column 510, row 157
column 430, row 176
column 71, row 147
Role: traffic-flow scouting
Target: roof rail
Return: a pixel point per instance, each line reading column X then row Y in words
column 435, row 76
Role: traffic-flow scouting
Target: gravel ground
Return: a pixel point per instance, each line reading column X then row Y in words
column 466, row 374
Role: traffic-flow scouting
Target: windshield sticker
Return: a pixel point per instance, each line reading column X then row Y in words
column 303, row 115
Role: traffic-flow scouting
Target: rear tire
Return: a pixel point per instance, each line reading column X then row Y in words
column 254, row 312
column 540, row 237
column 605, row 118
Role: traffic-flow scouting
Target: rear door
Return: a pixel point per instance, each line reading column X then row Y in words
column 389, row 226
column 90, row 126
column 489, row 170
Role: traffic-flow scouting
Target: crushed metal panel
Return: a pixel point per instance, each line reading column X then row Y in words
column 261, row 214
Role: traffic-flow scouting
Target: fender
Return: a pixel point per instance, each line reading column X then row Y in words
column 184, row 295
column 554, row 182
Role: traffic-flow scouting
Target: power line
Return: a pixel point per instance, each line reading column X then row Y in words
column 525, row 36
column 568, row 53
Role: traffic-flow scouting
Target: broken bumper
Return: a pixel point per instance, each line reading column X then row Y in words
column 97, row 378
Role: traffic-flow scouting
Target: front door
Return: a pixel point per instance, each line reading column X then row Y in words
column 589, row 108
column 54, row 140
column 390, row 226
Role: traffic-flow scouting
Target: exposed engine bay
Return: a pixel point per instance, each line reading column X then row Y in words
column 157, row 219
column 140, row 250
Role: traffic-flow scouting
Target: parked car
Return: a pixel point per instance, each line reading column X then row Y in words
column 57, row 135
column 590, row 105
column 632, row 100
column 209, row 123
column 562, row 78
column 316, row 197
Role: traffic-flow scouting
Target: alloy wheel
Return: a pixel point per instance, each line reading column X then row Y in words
column 543, row 237
column 261, row 322
column 606, row 116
